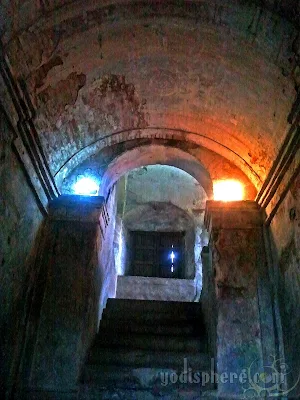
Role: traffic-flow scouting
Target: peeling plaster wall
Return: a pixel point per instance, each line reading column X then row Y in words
column 110, row 104
column 20, row 219
column 230, row 89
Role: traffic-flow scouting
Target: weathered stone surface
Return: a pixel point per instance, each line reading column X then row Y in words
column 208, row 90
column 158, row 216
column 208, row 299
column 164, row 184
column 20, row 219
column 145, row 362
column 108, row 275
column 77, row 208
column 144, row 288
column 239, row 263
column 184, row 394
column 70, row 309
column 286, row 256
column 108, row 104
column 95, row 160
column 22, row 15
column 49, row 395
column 156, row 155
column 217, row 77
column 63, row 94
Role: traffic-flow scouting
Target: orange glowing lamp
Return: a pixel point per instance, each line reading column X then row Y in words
column 228, row 190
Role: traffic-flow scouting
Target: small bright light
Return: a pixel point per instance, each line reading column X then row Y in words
column 172, row 269
column 86, row 186
column 228, row 190
column 172, row 256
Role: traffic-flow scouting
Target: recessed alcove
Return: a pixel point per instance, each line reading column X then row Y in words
column 160, row 210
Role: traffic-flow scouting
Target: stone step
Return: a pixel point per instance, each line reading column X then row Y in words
column 89, row 392
column 142, row 306
column 162, row 379
column 142, row 342
column 149, row 342
column 162, row 318
column 146, row 359
column 168, row 328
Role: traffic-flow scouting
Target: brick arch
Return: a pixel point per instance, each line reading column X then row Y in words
column 151, row 155
column 156, row 133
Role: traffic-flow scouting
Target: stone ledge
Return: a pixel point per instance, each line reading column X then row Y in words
column 233, row 215
column 151, row 288
column 76, row 208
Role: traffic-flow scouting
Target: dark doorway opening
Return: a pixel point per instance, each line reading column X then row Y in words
column 158, row 254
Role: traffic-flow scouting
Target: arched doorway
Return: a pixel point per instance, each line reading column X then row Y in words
column 160, row 190
column 159, row 234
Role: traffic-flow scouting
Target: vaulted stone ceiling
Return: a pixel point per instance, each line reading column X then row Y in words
column 219, row 75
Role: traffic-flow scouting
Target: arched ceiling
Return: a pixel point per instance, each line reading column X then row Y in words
column 221, row 75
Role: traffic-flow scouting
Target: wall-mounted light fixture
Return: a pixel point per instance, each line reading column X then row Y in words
column 228, row 190
column 86, row 186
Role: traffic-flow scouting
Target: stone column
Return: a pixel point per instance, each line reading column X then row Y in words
column 245, row 337
column 71, row 287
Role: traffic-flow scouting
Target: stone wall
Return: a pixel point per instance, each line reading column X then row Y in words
column 246, row 332
column 75, row 257
column 145, row 288
column 285, row 230
column 20, row 219
column 122, row 247
column 208, row 299
column 98, row 161
column 106, row 255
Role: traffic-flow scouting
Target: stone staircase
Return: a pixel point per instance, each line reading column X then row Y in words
column 148, row 350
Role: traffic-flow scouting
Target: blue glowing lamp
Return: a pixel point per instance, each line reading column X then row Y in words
column 86, row 186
